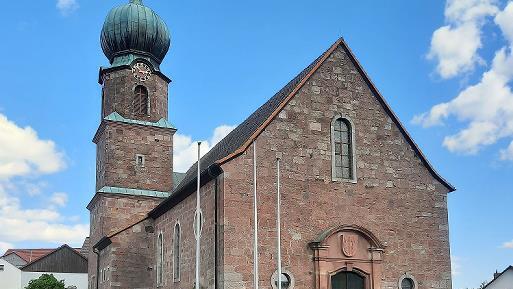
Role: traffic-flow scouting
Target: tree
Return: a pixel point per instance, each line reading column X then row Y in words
column 46, row 281
column 483, row 284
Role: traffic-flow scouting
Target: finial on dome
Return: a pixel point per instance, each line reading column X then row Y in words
column 139, row 2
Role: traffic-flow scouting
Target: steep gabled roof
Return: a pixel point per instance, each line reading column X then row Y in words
column 495, row 277
column 238, row 140
column 75, row 252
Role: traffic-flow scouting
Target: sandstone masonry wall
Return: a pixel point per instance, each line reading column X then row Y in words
column 118, row 91
column 395, row 196
column 129, row 262
column 110, row 213
column 183, row 213
column 118, row 146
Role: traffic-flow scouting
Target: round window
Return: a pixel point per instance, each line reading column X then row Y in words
column 285, row 281
column 407, row 283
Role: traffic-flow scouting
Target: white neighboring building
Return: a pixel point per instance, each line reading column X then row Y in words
column 502, row 280
column 10, row 275
column 64, row 263
column 78, row 280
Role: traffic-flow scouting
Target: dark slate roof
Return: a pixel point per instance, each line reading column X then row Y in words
column 86, row 247
column 237, row 137
column 177, row 179
column 228, row 147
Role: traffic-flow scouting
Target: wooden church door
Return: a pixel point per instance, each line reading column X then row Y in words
column 347, row 280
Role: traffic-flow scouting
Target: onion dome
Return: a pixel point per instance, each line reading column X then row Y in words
column 134, row 31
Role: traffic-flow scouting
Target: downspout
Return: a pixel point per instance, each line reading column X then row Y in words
column 216, row 223
column 97, row 252
column 372, row 267
column 216, row 263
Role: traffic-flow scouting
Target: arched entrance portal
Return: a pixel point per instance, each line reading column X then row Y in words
column 347, row 280
column 347, row 257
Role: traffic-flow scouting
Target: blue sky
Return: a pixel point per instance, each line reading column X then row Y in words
column 445, row 68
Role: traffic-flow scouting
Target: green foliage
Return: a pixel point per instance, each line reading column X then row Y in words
column 46, row 281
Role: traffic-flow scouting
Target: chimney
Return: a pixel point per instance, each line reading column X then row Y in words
column 496, row 274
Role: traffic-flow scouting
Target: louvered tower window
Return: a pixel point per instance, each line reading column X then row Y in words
column 343, row 168
column 141, row 100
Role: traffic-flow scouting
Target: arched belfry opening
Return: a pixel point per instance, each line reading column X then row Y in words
column 347, row 257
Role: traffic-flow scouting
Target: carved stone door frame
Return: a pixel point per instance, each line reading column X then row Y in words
column 347, row 248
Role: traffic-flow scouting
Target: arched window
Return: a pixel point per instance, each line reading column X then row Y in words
column 140, row 103
column 343, row 167
column 407, row 283
column 160, row 258
column 176, row 253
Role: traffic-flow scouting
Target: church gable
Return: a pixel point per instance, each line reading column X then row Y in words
column 238, row 141
column 393, row 193
column 341, row 88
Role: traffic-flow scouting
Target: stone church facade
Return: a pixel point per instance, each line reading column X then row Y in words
column 362, row 208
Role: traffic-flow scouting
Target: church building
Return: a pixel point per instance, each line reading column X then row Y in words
column 361, row 206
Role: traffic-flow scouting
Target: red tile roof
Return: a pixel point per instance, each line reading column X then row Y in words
column 31, row 255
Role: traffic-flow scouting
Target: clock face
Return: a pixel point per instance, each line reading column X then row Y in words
column 141, row 71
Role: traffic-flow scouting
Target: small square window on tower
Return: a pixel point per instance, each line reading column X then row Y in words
column 140, row 160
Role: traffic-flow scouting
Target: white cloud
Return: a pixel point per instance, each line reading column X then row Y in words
column 507, row 154
column 23, row 156
column 508, row 245
column 23, row 153
column 66, row 7
column 503, row 19
column 43, row 224
column 455, row 266
column 186, row 151
column 487, row 106
column 59, row 199
column 455, row 45
column 4, row 247
column 459, row 11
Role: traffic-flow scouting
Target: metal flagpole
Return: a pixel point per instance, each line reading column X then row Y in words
column 278, row 219
column 255, row 218
column 197, row 221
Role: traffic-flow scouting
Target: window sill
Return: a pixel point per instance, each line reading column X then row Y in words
column 337, row 180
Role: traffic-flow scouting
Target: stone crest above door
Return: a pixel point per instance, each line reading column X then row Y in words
column 347, row 248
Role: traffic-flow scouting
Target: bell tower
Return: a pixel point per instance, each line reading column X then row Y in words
column 134, row 141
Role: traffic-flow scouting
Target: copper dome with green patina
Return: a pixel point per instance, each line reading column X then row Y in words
column 132, row 31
